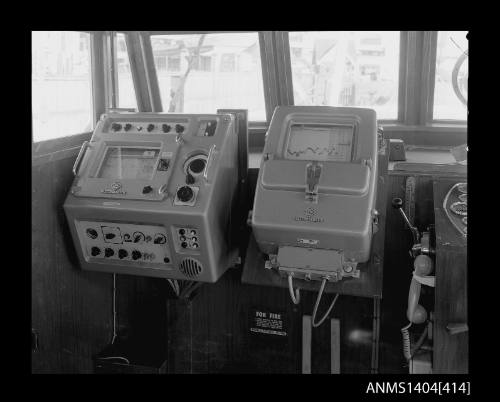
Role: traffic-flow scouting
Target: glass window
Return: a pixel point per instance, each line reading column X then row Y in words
column 320, row 142
column 125, row 96
column 174, row 63
column 228, row 62
column 61, row 87
column 452, row 71
column 344, row 68
column 129, row 163
column 202, row 74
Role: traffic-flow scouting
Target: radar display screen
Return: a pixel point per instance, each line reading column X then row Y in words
column 129, row 163
column 320, row 142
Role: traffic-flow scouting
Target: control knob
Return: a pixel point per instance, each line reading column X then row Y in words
column 150, row 127
column 136, row 255
column 165, row 128
column 179, row 128
column 95, row 251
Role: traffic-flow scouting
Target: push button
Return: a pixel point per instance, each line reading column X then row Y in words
column 147, row 189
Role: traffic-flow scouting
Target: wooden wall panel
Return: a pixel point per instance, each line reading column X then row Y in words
column 71, row 309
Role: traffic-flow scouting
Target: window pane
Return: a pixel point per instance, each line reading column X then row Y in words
column 126, row 92
column 346, row 69
column 205, row 72
column 61, row 92
column 452, row 71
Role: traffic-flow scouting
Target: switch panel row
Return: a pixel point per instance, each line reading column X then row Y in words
column 124, row 242
column 148, row 128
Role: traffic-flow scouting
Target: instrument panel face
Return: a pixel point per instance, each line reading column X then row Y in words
column 103, row 242
column 320, row 142
column 128, row 162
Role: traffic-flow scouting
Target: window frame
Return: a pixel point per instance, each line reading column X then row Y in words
column 432, row 37
column 264, row 40
column 69, row 145
column 414, row 123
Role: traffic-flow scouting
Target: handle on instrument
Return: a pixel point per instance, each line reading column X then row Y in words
column 79, row 158
column 210, row 158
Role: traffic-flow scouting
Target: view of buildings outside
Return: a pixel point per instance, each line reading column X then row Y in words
column 451, row 45
column 205, row 72
column 342, row 68
column 61, row 92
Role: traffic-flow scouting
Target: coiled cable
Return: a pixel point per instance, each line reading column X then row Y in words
column 407, row 351
column 406, row 342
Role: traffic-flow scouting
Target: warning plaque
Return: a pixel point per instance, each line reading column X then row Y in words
column 265, row 322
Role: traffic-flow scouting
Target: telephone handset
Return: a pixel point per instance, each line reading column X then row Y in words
column 416, row 313
column 423, row 266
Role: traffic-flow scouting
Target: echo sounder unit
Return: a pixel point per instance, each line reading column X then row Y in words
column 314, row 210
column 153, row 195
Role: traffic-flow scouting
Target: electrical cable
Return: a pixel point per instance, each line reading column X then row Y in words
column 187, row 289
column 407, row 350
column 314, row 324
column 294, row 295
column 192, row 289
column 175, row 286
column 115, row 357
column 114, row 310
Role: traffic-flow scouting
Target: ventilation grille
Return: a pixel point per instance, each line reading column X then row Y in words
column 190, row 267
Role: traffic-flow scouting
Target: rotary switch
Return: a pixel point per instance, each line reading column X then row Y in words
column 185, row 194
